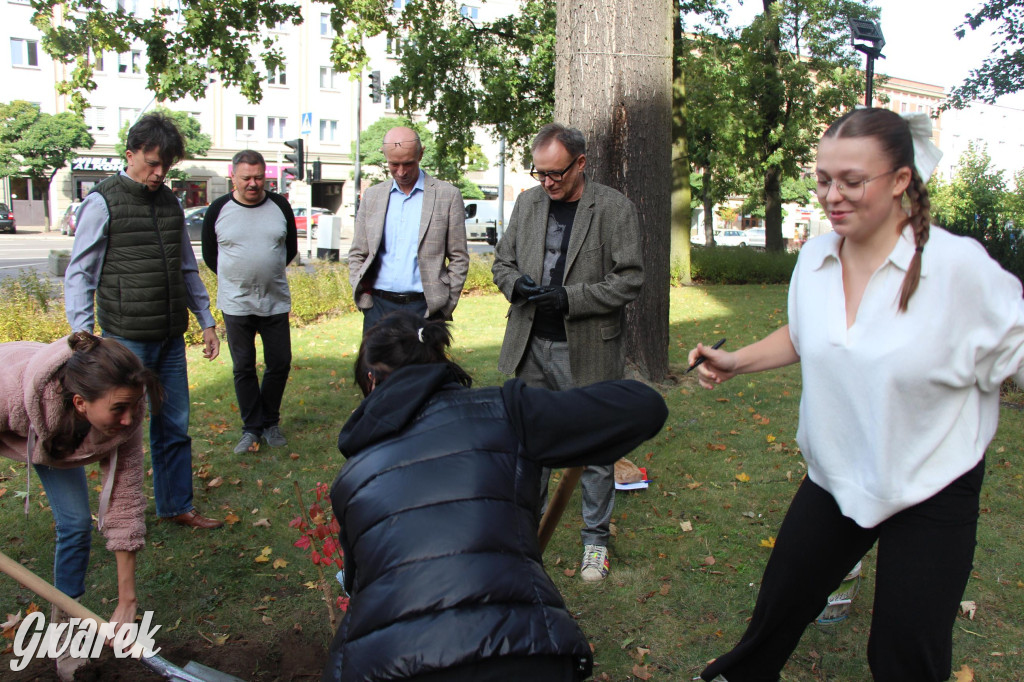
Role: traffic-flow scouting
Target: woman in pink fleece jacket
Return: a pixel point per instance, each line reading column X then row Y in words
column 67, row 404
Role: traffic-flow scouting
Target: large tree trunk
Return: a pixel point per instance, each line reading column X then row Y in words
column 613, row 81
column 771, row 108
column 682, row 214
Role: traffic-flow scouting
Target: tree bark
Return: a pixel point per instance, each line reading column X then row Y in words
column 613, row 81
column 771, row 109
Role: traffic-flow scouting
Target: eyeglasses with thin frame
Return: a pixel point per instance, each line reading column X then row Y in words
column 413, row 143
column 851, row 190
column 555, row 176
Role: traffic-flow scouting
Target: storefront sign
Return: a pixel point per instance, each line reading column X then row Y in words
column 97, row 163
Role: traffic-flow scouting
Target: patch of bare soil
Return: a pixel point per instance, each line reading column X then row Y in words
column 289, row 658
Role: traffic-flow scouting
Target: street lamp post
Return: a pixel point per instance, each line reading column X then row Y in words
column 866, row 36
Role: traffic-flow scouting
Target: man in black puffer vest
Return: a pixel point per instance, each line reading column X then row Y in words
column 438, row 503
column 133, row 256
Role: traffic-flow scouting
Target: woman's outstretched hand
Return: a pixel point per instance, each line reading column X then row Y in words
column 718, row 366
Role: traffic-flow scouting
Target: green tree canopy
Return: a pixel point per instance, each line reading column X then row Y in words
column 1002, row 73
column 974, row 196
column 37, row 144
column 183, row 45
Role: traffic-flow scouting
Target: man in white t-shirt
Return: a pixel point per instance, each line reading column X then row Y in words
column 248, row 240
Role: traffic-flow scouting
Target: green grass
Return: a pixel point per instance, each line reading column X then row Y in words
column 664, row 594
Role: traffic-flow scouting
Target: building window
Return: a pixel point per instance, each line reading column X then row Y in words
column 96, row 120
column 329, row 78
column 394, row 48
column 278, row 76
column 326, row 30
column 129, row 6
column 328, row 131
column 398, row 4
column 98, row 61
column 470, row 12
column 388, row 102
column 276, row 127
column 126, row 117
column 130, row 62
column 24, row 52
column 245, row 127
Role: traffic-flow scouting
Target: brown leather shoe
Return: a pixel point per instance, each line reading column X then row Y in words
column 194, row 519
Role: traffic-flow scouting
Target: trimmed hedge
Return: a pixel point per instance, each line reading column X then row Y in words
column 739, row 265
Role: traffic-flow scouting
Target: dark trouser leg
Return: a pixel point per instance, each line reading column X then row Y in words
column 241, row 332
column 815, row 548
column 925, row 556
column 381, row 307
column 275, row 332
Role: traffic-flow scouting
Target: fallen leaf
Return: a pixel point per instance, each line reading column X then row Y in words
column 770, row 438
column 216, row 483
column 716, row 446
column 12, row 621
column 665, row 587
column 964, row 674
column 770, row 542
column 742, row 477
column 294, row 455
column 686, row 526
column 264, row 556
column 265, row 523
column 694, row 485
column 231, row 518
column 267, row 620
column 709, row 560
column 968, row 608
column 569, row 572
column 280, row 563
column 311, row 584
column 640, row 672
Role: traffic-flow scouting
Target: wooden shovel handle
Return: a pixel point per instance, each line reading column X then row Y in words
column 557, row 504
column 46, row 590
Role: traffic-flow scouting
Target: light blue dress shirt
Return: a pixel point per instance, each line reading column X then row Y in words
column 399, row 264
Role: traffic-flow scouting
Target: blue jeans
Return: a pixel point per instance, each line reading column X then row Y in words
column 170, row 447
column 68, row 494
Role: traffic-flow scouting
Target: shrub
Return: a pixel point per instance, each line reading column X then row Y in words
column 724, row 265
column 479, row 279
column 33, row 309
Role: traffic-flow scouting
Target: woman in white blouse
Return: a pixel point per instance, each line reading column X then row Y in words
column 904, row 333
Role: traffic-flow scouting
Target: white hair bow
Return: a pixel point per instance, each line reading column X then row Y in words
column 926, row 154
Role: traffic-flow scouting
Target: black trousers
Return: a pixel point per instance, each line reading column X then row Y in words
column 259, row 406
column 925, row 555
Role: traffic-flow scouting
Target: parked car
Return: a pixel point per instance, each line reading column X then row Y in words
column 194, row 222
column 301, row 219
column 755, row 237
column 731, row 238
column 68, row 221
column 6, row 219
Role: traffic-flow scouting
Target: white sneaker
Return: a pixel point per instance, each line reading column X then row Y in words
column 594, row 567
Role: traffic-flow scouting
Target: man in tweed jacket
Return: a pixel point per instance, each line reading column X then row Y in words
column 568, row 263
column 409, row 247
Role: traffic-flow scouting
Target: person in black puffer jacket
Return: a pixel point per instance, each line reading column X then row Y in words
column 438, row 506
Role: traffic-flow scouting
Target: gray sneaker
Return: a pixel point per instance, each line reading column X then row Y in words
column 274, row 437
column 250, row 442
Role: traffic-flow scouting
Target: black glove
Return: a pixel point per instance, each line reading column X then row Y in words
column 526, row 287
column 553, row 302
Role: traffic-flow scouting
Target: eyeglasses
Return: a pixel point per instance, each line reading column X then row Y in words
column 851, row 190
column 555, row 176
column 414, row 144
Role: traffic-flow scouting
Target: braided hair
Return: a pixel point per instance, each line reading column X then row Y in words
column 404, row 338
column 893, row 134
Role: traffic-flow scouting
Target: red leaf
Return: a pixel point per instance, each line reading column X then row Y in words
column 303, row 542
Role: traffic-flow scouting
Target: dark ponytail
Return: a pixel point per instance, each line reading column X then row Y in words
column 96, row 366
column 893, row 134
column 400, row 339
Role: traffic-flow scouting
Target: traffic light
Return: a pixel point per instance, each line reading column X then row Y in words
column 375, row 87
column 297, row 159
column 315, row 175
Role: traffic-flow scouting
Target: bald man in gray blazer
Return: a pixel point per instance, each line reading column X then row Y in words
column 409, row 247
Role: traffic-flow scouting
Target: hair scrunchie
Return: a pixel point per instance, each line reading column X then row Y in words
column 926, row 154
